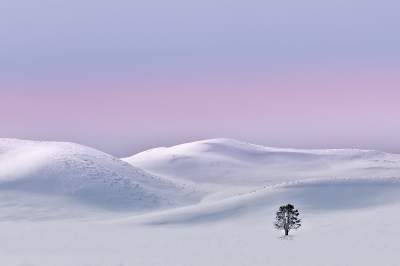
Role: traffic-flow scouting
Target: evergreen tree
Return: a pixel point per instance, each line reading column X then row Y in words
column 287, row 218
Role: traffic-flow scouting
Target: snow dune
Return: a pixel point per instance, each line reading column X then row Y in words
column 203, row 181
column 227, row 161
column 210, row 202
column 245, row 178
column 83, row 176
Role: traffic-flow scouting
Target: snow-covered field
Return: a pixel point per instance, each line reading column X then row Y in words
column 210, row 202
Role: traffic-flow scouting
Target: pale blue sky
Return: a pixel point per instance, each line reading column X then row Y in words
column 124, row 75
column 41, row 38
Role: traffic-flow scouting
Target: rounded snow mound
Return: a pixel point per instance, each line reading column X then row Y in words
column 230, row 161
column 84, row 175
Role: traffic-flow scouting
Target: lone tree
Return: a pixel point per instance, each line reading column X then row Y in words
column 287, row 218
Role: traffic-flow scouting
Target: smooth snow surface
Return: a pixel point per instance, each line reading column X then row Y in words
column 226, row 161
column 208, row 203
column 364, row 237
column 42, row 173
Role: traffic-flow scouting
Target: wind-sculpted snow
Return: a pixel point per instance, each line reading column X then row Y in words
column 206, row 203
column 311, row 196
column 201, row 181
column 225, row 161
column 82, row 175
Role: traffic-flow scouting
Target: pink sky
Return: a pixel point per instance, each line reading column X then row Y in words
column 307, row 108
column 124, row 76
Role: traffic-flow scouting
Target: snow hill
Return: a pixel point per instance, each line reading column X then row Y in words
column 215, row 199
column 244, row 178
column 82, row 175
column 208, row 180
column 227, row 161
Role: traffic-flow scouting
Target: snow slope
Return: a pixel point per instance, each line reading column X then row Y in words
column 211, row 178
column 319, row 196
column 243, row 178
column 348, row 202
column 31, row 170
column 230, row 162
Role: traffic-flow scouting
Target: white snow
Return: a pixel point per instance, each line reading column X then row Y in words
column 226, row 161
column 210, row 202
column 32, row 171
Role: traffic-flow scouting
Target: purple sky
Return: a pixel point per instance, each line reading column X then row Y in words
column 124, row 76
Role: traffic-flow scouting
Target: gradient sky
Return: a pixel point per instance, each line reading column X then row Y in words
column 124, row 76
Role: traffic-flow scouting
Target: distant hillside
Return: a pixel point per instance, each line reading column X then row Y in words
column 227, row 161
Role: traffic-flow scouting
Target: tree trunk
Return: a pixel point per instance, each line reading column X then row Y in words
column 286, row 226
